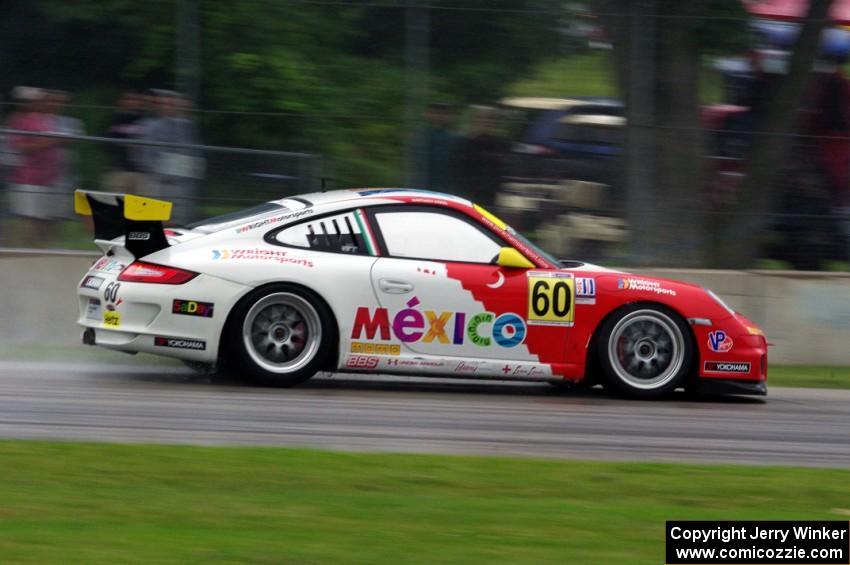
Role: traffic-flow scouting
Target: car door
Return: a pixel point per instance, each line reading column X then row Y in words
column 444, row 294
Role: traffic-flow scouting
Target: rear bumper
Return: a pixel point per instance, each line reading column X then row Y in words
column 143, row 316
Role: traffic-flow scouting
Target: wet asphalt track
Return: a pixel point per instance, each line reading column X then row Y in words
column 165, row 404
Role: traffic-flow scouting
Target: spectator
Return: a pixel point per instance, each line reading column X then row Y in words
column 35, row 194
column 173, row 172
column 125, row 174
column 830, row 124
column 480, row 157
column 58, row 101
column 441, row 145
column 8, row 159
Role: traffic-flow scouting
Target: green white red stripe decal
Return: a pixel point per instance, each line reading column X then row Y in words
column 366, row 230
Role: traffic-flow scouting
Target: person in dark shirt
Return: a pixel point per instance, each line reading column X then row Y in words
column 125, row 175
column 441, row 144
column 480, row 157
column 829, row 124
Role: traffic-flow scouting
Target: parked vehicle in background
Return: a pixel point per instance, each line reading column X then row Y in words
column 564, row 173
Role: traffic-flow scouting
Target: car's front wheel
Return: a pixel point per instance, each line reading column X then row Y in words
column 645, row 351
column 281, row 335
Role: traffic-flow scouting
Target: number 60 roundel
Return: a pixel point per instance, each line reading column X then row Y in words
column 551, row 299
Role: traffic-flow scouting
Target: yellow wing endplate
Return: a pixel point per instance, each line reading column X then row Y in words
column 81, row 203
column 138, row 208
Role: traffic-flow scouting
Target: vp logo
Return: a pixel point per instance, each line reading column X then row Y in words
column 719, row 341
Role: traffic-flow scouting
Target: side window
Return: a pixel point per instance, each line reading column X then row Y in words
column 336, row 234
column 434, row 235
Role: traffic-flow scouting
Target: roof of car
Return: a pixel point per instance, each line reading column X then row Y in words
column 332, row 197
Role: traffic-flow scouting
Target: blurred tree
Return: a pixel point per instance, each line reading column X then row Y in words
column 658, row 45
column 336, row 70
column 772, row 143
column 657, row 54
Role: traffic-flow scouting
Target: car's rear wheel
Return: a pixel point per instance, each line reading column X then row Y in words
column 282, row 335
column 645, row 351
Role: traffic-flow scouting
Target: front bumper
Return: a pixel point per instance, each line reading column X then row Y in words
column 733, row 350
column 720, row 387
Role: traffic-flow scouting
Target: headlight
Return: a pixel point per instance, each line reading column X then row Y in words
column 719, row 301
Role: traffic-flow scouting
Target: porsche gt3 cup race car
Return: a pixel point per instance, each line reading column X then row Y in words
column 396, row 281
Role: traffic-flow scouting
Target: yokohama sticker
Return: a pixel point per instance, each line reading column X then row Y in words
column 726, row 367
column 180, row 343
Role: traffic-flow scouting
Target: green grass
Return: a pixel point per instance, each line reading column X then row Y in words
column 592, row 74
column 808, row 376
column 102, row 503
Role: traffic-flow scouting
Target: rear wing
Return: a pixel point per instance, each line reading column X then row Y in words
column 137, row 218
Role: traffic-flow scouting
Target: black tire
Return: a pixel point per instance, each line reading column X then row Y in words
column 280, row 335
column 645, row 351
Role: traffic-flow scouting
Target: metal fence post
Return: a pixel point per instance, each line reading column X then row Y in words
column 416, row 52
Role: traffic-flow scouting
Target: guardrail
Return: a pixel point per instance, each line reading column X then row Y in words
column 806, row 315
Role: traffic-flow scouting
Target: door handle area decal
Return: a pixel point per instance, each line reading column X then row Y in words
column 392, row 286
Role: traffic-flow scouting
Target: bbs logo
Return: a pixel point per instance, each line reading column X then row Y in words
column 361, row 362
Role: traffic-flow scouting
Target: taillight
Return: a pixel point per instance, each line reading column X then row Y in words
column 142, row 272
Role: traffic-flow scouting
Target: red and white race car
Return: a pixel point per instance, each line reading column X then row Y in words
column 397, row 281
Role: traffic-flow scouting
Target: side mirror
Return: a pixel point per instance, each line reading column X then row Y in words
column 510, row 257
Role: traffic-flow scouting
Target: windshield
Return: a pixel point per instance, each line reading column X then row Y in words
column 545, row 254
column 237, row 215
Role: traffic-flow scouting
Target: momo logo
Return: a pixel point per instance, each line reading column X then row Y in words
column 180, row 343
column 719, row 341
column 450, row 328
column 192, row 308
column 720, row 367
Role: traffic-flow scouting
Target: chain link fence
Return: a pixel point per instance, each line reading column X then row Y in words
column 644, row 133
column 201, row 181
